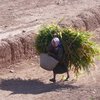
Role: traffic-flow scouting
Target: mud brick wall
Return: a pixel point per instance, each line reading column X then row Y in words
column 13, row 49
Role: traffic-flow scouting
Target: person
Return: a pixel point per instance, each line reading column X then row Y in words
column 56, row 50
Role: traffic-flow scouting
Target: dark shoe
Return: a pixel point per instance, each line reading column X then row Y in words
column 53, row 80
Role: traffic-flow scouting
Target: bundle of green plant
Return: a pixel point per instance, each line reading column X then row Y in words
column 45, row 36
column 80, row 50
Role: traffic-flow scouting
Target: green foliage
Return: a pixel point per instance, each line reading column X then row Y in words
column 80, row 50
column 45, row 36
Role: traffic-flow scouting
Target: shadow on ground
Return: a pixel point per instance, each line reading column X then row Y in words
column 19, row 86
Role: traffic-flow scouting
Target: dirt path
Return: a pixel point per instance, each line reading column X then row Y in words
column 27, row 81
column 16, row 16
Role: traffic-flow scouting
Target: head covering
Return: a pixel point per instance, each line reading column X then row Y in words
column 56, row 41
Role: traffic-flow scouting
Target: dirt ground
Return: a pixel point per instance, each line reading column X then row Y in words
column 19, row 15
column 26, row 80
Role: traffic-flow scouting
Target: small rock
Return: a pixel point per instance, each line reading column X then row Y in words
column 36, row 56
column 23, row 31
column 58, row 3
column 5, row 26
column 11, row 71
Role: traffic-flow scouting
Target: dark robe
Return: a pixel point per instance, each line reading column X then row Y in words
column 58, row 54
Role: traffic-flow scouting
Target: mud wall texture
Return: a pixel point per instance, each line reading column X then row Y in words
column 16, row 48
column 88, row 19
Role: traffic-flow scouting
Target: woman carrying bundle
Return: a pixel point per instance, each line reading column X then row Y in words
column 56, row 50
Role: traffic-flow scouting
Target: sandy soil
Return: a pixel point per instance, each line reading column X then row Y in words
column 19, row 15
column 26, row 80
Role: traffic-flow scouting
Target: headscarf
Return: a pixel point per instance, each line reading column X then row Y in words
column 56, row 41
